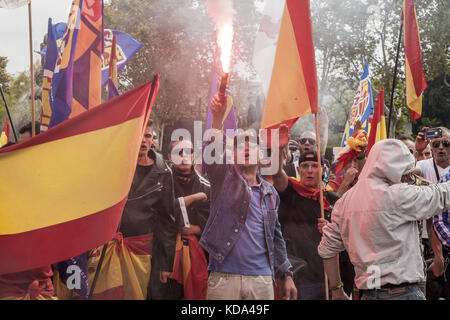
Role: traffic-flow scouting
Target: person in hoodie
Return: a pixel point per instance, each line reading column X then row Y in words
column 376, row 222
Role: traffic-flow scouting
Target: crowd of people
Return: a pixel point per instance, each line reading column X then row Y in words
column 384, row 233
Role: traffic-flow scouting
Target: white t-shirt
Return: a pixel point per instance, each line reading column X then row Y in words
column 427, row 171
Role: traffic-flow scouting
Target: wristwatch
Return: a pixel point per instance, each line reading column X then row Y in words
column 288, row 273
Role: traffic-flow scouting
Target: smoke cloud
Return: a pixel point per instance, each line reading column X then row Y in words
column 220, row 11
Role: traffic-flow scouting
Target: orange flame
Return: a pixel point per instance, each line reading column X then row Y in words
column 225, row 40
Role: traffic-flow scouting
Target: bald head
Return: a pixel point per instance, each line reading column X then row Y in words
column 307, row 141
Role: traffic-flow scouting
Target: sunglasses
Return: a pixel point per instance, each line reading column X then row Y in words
column 436, row 144
column 311, row 141
column 293, row 149
column 180, row 151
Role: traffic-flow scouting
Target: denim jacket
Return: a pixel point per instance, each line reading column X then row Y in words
column 230, row 201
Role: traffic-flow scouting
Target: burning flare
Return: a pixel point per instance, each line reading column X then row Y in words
column 225, row 40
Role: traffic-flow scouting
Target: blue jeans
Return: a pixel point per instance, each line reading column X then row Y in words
column 310, row 290
column 407, row 293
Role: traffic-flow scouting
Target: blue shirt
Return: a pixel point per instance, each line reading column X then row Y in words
column 249, row 254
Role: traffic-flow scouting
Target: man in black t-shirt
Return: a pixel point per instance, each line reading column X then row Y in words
column 299, row 213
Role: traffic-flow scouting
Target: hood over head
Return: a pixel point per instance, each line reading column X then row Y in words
column 388, row 160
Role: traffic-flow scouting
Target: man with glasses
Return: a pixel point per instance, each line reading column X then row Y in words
column 307, row 142
column 426, row 154
column 191, row 208
column 434, row 169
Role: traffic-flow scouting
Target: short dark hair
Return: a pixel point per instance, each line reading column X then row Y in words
column 150, row 123
column 28, row 128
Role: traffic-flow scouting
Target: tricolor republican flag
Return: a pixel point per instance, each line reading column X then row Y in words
column 285, row 61
column 415, row 77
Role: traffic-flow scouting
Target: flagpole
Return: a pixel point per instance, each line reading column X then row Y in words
column 322, row 213
column 30, row 28
column 9, row 114
column 391, row 104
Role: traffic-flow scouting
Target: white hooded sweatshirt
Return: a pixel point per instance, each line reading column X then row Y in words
column 376, row 220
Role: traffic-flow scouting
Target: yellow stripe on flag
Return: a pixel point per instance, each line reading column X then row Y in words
column 30, row 206
column 414, row 102
column 287, row 97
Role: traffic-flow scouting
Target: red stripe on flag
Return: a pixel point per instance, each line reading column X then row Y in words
column 105, row 115
column 414, row 115
column 379, row 110
column 412, row 47
column 36, row 248
column 300, row 14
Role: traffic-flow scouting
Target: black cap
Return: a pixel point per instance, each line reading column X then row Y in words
column 309, row 155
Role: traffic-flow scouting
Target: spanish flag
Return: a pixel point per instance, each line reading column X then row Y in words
column 291, row 87
column 190, row 268
column 378, row 123
column 124, row 273
column 62, row 192
column 415, row 77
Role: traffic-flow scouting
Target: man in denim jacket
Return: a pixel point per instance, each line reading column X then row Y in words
column 243, row 235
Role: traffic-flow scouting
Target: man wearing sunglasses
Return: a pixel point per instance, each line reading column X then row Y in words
column 242, row 235
column 434, row 169
column 307, row 142
column 191, row 208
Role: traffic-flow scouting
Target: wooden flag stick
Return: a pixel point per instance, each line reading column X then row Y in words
column 322, row 213
column 30, row 28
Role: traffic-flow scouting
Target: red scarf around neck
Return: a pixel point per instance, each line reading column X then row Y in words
column 308, row 192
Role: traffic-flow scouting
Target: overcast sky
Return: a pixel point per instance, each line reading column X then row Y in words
column 14, row 38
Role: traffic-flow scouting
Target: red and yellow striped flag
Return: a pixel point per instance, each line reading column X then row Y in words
column 415, row 77
column 378, row 123
column 71, row 198
column 292, row 92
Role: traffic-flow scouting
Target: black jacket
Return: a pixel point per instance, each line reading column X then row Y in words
column 150, row 209
column 197, row 212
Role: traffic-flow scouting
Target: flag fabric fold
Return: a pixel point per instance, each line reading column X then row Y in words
column 190, row 268
column 378, row 123
column 68, row 202
column 124, row 274
column 414, row 74
column 126, row 48
column 285, row 61
column 51, row 56
column 79, row 62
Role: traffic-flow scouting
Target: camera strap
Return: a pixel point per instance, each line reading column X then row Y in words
column 436, row 171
